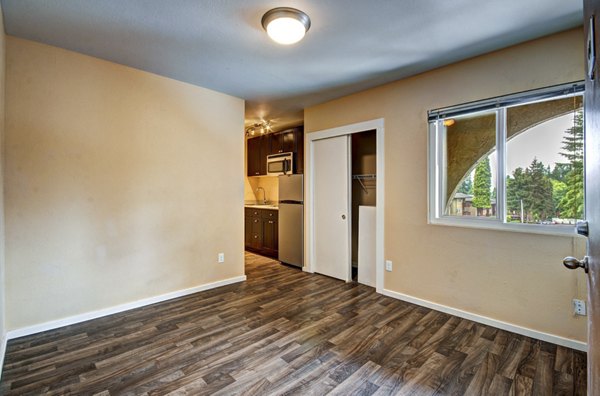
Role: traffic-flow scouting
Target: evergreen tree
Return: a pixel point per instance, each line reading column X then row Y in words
column 538, row 193
column 466, row 186
column 571, row 205
column 559, row 189
column 532, row 188
column 482, row 185
column 573, row 140
column 515, row 190
column 560, row 172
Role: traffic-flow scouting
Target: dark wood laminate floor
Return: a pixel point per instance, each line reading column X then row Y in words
column 287, row 332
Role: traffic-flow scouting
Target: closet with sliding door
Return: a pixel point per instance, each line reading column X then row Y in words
column 343, row 190
column 364, row 180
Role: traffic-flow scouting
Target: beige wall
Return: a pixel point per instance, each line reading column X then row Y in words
column 512, row 277
column 120, row 184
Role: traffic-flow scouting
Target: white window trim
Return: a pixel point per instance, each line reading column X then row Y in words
column 435, row 163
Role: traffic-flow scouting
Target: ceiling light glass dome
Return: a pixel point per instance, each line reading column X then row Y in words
column 286, row 25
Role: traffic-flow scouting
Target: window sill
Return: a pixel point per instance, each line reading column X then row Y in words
column 488, row 224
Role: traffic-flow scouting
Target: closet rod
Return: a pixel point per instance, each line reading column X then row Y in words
column 360, row 179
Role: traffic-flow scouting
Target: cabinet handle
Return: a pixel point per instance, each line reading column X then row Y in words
column 257, row 173
column 270, row 221
column 255, row 236
column 256, row 221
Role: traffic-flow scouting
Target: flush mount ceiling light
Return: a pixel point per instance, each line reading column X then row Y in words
column 286, row 25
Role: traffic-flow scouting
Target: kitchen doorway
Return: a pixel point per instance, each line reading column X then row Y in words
column 314, row 217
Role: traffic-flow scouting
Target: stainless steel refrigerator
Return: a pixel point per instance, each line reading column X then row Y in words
column 291, row 220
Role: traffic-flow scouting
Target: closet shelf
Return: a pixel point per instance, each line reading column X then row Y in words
column 365, row 177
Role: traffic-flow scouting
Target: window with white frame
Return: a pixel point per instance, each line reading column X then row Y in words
column 512, row 162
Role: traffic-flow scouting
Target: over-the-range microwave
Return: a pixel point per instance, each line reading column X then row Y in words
column 279, row 164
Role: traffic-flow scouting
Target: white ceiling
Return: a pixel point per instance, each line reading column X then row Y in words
column 352, row 44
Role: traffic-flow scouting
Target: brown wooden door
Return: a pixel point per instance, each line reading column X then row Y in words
column 592, row 199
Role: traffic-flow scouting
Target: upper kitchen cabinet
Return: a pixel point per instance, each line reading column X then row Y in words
column 290, row 141
column 258, row 149
column 284, row 141
column 287, row 141
column 265, row 145
column 299, row 153
column 253, row 156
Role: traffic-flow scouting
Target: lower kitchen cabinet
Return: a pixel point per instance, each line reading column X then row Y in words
column 270, row 234
column 261, row 231
column 257, row 234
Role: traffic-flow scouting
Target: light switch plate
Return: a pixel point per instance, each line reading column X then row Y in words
column 388, row 265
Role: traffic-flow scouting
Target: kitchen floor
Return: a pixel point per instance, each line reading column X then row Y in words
column 287, row 331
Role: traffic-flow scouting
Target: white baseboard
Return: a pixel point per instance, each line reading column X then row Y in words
column 54, row 324
column 566, row 342
column 3, row 341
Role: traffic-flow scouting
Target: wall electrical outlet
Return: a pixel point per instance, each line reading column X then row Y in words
column 388, row 265
column 221, row 257
column 579, row 307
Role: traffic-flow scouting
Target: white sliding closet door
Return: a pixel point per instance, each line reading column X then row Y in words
column 332, row 230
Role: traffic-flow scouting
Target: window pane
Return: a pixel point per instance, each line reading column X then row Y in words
column 544, row 162
column 470, row 157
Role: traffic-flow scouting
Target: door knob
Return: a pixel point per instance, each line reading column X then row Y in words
column 573, row 263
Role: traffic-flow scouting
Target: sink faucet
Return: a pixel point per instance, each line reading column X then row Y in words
column 264, row 194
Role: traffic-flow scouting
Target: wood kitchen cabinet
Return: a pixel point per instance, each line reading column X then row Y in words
column 270, row 242
column 284, row 142
column 253, row 156
column 265, row 146
column 261, row 231
column 299, row 153
column 248, row 231
column 288, row 141
column 256, row 154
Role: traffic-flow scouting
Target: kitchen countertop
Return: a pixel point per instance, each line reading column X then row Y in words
column 258, row 206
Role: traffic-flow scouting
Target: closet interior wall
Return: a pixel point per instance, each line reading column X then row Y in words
column 364, row 162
